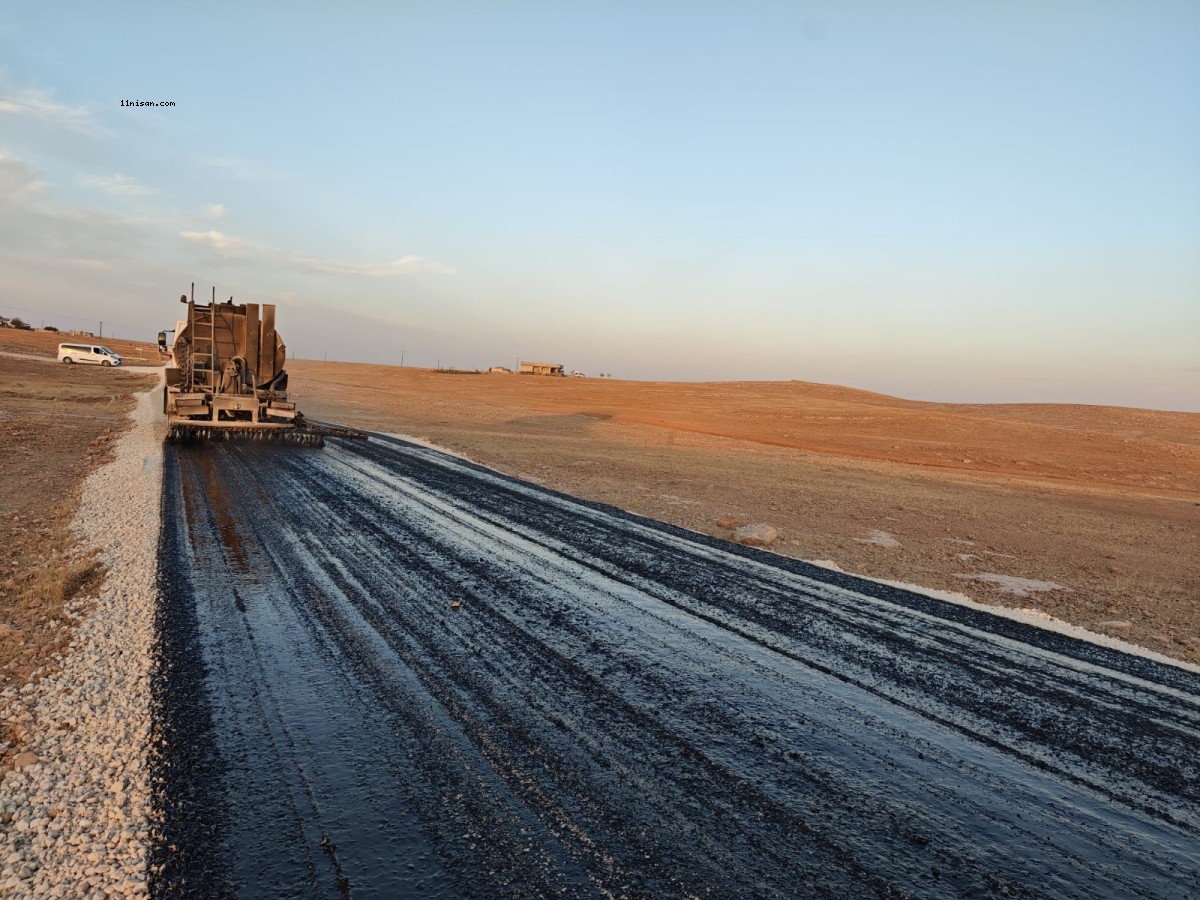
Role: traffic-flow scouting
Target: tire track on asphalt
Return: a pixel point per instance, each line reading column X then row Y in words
column 1001, row 684
column 619, row 707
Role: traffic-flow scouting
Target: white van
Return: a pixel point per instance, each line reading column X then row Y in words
column 87, row 353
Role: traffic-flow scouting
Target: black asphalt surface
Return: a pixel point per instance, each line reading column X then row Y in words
column 617, row 707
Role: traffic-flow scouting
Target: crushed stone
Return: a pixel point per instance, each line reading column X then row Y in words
column 79, row 808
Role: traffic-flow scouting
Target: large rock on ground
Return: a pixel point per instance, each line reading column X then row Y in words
column 758, row 534
column 21, row 760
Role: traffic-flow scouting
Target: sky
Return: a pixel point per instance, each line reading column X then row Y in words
column 957, row 201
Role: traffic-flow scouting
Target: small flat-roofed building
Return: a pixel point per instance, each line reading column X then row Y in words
column 538, row 368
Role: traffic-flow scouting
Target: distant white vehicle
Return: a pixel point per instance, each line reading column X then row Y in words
column 578, row 375
column 87, row 353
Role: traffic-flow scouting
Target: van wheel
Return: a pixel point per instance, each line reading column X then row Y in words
column 68, row 360
column 106, row 363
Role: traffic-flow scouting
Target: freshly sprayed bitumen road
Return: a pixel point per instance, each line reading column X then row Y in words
column 387, row 671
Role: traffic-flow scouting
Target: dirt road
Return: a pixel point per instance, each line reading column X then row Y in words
column 389, row 671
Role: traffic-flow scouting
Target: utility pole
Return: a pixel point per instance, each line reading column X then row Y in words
column 402, row 359
column 102, row 329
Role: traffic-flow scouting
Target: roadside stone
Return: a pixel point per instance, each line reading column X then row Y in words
column 758, row 534
column 21, row 760
column 729, row 522
column 1116, row 625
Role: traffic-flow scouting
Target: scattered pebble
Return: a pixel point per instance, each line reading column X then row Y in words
column 880, row 539
column 1012, row 584
column 757, row 535
column 21, row 760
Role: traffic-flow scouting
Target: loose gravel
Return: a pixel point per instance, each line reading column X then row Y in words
column 75, row 810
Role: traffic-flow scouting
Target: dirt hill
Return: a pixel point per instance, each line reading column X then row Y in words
column 1129, row 450
column 45, row 343
column 1087, row 513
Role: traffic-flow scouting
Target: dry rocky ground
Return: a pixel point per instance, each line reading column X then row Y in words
column 1085, row 513
column 77, row 610
column 57, row 424
column 45, row 344
column 1089, row 514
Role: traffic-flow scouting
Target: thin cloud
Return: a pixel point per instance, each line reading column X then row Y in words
column 18, row 179
column 241, row 168
column 223, row 245
column 34, row 230
column 226, row 246
column 216, row 210
column 41, row 105
column 117, row 185
column 405, row 265
column 102, row 265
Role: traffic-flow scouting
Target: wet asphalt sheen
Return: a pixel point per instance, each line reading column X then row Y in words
column 617, row 707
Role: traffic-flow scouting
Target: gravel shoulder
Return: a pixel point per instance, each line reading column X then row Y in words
column 57, row 425
column 75, row 805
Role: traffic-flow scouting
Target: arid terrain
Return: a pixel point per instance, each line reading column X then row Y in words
column 1089, row 514
column 45, row 343
column 57, row 424
column 484, row 651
